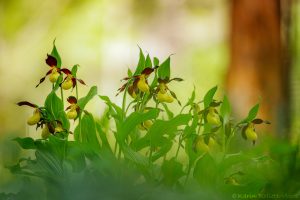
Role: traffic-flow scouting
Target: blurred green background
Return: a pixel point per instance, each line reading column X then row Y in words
column 102, row 37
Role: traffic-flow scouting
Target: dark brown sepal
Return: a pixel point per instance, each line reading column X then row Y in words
column 147, row 71
column 51, row 61
column 72, row 100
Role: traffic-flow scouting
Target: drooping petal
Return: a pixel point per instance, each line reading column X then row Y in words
column 80, row 81
column 26, row 103
column 121, row 89
column 65, row 71
column 74, row 82
column 42, row 79
column 175, row 97
column 176, row 79
column 69, row 107
column 51, row 61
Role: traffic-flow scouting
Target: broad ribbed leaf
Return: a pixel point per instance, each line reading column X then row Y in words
column 208, row 98
column 84, row 100
column 164, row 69
column 54, row 107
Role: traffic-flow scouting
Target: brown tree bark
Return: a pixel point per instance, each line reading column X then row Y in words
column 260, row 62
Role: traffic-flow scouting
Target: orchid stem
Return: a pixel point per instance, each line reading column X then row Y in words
column 124, row 103
column 79, row 118
column 62, row 97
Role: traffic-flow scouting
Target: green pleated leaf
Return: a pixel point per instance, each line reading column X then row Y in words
column 87, row 131
column 205, row 171
column 252, row 114
column 155, row 61
column 74, row 70
column 56, row 55
column 225, row 109
column 172, row 171
column 133, row 120
column 208, row 98
column 148, row 62
column 113, row 109
column 141, row 64
column 26, row 143
column 168, row 128
column 54, row 107
column 84, row 100
column 164, row 69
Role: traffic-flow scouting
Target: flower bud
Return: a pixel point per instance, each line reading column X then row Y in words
column 54, row 75
column 72, row 114
column 212, row 117
column 250, row 133
column 35, row 118
column 142, row 85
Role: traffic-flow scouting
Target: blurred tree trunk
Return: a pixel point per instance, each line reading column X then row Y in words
column 260, row 60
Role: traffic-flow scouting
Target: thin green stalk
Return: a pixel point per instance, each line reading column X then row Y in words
column 124, row 103
column 62, row 96
column 224, row 141
column 79, row 118
column 229, row 139
column 76, row 92
column 187, row 175
column 199, row 128
column 179, row 145
column 128, row 107
column 115, row 148
column 119, row 154
column 150, row 155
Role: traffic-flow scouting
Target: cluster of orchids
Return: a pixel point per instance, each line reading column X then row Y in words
column 138, row 87
column 64, row 79
column 142, row 87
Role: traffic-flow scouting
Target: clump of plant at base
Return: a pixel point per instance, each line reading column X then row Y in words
column 142, row 137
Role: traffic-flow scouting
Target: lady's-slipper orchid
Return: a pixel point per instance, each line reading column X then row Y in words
column 137, row 83
column 163, row 93
column 146, row 124
column 248, row 131
column 202, row 146
column 37, row 115
column 213, row 117
column 70, row 81
column 132, row 90
column 51, row 128
column 45, row 132
column 55, row 72
column 74, row 109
